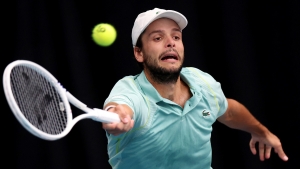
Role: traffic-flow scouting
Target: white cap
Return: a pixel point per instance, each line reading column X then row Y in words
column 145, row 18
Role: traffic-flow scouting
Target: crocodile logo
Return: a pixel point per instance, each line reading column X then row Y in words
column 205, row 113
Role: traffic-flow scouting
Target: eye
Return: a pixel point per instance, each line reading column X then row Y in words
column 176, row 37
column 157, row 38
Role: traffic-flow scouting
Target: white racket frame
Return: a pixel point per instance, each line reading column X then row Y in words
column 95, row 114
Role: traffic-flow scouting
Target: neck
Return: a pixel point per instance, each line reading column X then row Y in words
column 177, row 91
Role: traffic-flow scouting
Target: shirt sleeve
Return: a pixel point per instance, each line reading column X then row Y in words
column 126, row 92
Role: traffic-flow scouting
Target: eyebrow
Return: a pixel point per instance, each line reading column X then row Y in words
column 161, row 31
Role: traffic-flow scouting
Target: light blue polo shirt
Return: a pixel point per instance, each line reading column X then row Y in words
column 165, row 135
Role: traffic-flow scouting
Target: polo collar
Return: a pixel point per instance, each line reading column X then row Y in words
column 148, row 88
column 152, row 93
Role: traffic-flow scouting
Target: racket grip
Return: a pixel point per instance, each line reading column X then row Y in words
column 105, row 116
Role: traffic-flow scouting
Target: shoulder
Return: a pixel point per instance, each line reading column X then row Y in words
column 125, row 91
column 127, row 82
column 208, row 86
column 197, row 74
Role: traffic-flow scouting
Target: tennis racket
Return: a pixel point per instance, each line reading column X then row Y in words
column 41, row 104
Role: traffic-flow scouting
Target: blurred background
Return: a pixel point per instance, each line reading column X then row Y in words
column 251, row 47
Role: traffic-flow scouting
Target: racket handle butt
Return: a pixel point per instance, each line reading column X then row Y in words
column 106, row 117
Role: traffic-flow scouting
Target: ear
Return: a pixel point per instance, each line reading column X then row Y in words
column 138, row 54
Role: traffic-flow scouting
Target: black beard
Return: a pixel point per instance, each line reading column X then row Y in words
column 159, row 74
column 163, row 76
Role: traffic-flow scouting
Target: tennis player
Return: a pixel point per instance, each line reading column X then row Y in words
column 167, row 111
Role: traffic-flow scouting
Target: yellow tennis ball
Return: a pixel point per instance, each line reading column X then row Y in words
column 104, row 34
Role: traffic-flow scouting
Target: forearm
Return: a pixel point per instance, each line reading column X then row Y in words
column 239, row 117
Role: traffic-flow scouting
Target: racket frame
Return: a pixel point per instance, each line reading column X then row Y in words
column 66, row 97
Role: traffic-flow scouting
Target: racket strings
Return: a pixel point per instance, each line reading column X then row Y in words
column 38, row 100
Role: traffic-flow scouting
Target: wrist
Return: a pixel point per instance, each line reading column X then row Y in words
column 260, row 130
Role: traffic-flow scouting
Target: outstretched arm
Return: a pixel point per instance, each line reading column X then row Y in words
column 237, row 116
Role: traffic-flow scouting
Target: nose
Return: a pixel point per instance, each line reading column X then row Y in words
column 170, row 43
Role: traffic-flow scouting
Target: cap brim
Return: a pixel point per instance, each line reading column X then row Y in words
column 177, row 17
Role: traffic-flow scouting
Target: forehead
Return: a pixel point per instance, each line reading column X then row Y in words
column 162, row 24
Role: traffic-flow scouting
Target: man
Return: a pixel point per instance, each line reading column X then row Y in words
column 167, row 111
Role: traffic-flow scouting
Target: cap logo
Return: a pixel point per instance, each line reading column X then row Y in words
column 157, row 12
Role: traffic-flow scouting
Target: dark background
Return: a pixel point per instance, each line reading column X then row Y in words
column 251, row 47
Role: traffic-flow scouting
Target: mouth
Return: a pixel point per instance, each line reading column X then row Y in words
column 170, row 56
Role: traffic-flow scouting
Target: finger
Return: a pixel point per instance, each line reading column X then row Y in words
column 118, row 128
column 126, row 119
column 109, row 126
column 261, row 149
column 268, row 152
column 128, row 126
column 281, row 153
column 252, row 146
column 124, row 127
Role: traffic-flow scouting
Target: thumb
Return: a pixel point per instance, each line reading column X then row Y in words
column 125, row 119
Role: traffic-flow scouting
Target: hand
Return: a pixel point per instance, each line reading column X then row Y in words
column 265, row 145
column 124, row 125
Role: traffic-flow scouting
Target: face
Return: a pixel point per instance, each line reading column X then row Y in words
column 163, row 52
